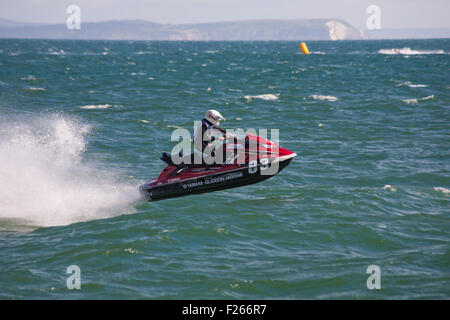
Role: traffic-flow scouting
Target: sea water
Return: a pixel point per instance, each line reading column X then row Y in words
column 83, row 124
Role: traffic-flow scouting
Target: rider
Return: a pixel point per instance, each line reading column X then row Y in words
column 207, row 131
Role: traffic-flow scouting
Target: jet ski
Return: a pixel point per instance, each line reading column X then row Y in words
column 253, row 160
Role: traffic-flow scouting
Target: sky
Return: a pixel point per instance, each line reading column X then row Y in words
column 394, row 14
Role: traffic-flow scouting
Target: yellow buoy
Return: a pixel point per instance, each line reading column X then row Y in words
column 304, row 48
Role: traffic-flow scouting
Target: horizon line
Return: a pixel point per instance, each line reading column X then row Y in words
column 226, row 21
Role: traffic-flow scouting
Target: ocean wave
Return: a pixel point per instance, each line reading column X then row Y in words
column 320, row 97
column 264, row 97
column 97, row 106
column 389, row 187
column 411, row 85
column 441, row 189
column 140, row 52
column 409, row 51
column 36, row 89
column 29, row 78
column 147, row 122
column 411, row 101
column 57, row 53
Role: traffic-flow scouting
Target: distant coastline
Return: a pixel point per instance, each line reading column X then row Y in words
column 247, row 30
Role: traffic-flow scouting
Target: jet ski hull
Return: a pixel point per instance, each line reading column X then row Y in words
column 237, row 176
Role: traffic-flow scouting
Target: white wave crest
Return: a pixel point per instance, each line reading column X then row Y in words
column 428, row 97
column 57, row 53
column 389, row 187
column 411, row 85
column 408, row 51
column 29, row 78
column 320, row 97
column 36, row 89
column 264, row 97
column 441, row 189
column 412, row 101
column 97, row 106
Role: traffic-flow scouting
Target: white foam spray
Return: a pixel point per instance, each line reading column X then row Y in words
column 267, row 96
column 442, row 189
column 408, row 51
column 321, row 97
column 44, row 180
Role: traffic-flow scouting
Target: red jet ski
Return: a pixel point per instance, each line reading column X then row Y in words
column 255, row 160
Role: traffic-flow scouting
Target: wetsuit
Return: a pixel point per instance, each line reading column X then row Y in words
column 200, row 135
column 206, row 134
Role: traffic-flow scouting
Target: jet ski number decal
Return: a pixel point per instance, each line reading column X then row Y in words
column 253, row 165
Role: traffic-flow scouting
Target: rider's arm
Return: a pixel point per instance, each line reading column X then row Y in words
column 229, row 135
